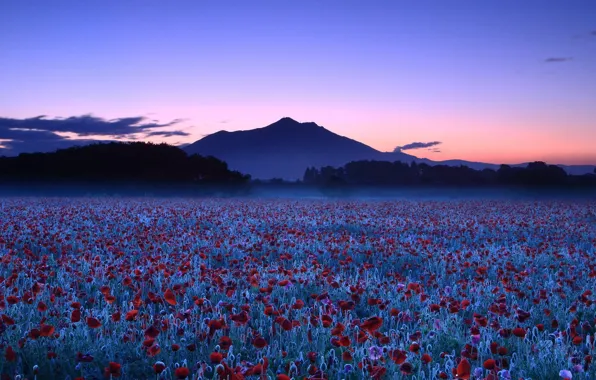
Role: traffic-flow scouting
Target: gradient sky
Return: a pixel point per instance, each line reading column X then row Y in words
column 502, row 81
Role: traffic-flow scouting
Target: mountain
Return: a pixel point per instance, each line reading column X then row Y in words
column 287, row 147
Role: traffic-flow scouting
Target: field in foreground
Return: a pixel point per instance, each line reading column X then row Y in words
column 174, row 289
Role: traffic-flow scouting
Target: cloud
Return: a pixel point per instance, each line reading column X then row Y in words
column 416, row 145
column 558, row 59
column 593, row 33
column 167, row 133
column 44, row 134
column 85, row 125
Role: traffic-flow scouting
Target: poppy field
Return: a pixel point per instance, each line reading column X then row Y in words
column 141, row 288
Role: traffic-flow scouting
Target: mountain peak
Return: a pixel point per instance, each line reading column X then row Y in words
column 289, row 122
column 284, row 149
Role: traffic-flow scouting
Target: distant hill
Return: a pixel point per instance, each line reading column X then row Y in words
column 286, row 148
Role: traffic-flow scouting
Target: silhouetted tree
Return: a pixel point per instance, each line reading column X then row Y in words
column 118, row 162
column 382, row 173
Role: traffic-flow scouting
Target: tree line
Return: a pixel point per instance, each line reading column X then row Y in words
column 133, row 162
column 384, row 173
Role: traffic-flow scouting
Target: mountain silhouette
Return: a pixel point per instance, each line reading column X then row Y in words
column 285, row 149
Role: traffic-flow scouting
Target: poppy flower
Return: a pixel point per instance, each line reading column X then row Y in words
column 10, row 355
column 47, row 330
column 346, row 356
column 85, row 358
column 398, row 356
column 372, row 324
column 131, row 315
column 464, row 369
column 216, row 357
column 112, row 370
column 93, row 323
column 7, row 320
column 377, row 372
column 259, row 342
column 159, row 367
column 406, row 368
column 75, row 315
column 519, row 332
column 489, row 364
column 170, row 297
column 181, row 373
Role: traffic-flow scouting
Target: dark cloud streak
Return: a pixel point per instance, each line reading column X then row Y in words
column 167, row 133
column 558, row 59
column 86, row 125
column 42, row 134
column 416, row 145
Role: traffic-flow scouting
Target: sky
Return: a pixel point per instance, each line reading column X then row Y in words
column 502, row 81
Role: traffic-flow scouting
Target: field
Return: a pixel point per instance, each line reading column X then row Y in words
column 319, row 289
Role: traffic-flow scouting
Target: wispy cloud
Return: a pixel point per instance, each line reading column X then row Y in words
column 167, row 133
column 416, row 145
column 558, row 59
column 42, row 133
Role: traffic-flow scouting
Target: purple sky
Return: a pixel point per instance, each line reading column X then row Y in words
column 496, row 81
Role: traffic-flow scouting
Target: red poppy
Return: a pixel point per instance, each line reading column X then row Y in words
column 372, row 324
column 170, row 297
column 406, row 369
column 347, row 356
column 377, row 372
column 131, row 315
column 489, row 364
column 259, row 342
column 153, row 350
column 10, row 355
column 519, row 332
column 159, row 367
column 47, row 330
column 414, row 347
column 241, row 318
column 398, row 356
column 216, row 357
column 84, row 358
column 75, row 315
column 7, row 320
column 464, row 369
column 182, row 373
column 93, row 323
column 112, row 370
column 225, row 342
